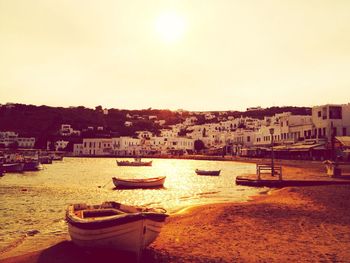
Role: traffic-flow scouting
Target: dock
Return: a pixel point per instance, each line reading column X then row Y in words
column 275, row 183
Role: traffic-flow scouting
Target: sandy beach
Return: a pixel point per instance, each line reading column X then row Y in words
column 299, row 224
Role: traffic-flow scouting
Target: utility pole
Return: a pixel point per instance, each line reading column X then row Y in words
column 272, row 131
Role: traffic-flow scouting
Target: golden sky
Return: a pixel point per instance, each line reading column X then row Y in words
column 195, row 55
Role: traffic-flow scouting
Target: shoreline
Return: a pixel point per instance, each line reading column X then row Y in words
column 237, row 231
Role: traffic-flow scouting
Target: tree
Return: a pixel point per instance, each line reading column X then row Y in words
column 199, row 145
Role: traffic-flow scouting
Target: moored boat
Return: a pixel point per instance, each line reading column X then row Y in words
column 13, row 167
column 208, row 172
column 136, row 162
column 45, row 159
column 139, row 183
column 114, row 225
column 32, row 165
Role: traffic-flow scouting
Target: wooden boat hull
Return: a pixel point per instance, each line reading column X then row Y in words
column 128, row 163
column 13, row 167
column 209, row 173
column 32, row 166
column 124, row 237
column 139, row 183
column 125, row 231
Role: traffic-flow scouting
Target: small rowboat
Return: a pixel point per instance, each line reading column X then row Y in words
column 205, row 172
column 114, row 225
column 139, row 183
column 136, row 162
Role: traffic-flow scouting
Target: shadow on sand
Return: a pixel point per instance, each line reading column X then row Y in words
column 67, row 252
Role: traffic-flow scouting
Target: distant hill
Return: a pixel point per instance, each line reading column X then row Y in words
column 43, row 122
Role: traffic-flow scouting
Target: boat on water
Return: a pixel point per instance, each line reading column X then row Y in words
column 13, row 167
column 139, row 183
column 32, row 165
column 136, row 162
column 45, row 159
column 208, row 172
column 114, row 225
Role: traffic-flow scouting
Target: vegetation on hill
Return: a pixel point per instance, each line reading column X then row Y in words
column 43, row 122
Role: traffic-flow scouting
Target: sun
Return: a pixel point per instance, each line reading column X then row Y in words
column 170, row 26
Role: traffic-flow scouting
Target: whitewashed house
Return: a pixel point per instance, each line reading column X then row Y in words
column 128, row 123
column 67, row 130
column 78, row 149
column 61, row 145
column 331, row 120
column 97, row 146
column 126, row 146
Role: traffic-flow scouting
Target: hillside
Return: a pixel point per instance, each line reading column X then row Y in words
column 45, row 121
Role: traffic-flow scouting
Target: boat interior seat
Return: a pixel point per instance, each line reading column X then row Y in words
column 98, row 213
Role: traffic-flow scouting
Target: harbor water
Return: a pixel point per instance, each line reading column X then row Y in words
column 32, row 207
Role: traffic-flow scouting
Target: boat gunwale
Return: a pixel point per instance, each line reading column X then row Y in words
column 145, row 180
column 109, row 221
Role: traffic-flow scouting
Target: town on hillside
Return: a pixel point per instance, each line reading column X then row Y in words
column 317, row 133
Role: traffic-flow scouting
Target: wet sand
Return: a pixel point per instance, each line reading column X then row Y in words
column 299, row 224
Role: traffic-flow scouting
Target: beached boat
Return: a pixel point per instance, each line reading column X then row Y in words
column 139, row 183
column 114, row 225
column 13, row 167
column 208, row 172
column 136, row 162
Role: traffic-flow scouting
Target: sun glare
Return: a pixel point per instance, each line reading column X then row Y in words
column 170, row 26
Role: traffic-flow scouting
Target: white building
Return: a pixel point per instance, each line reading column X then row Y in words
column 168, row 133
column 97, row 146
column 26, row 142
column 160, row 122
column 8, row 138
column 126, row 146
column 67, row 130
column 144, row 134
column 60, row 145
column 78, row 149
column 190, row 120
column 331, row 120
column 179, row 144
column 128, row 123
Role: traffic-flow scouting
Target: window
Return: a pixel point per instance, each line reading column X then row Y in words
column 319, row 114
column 335, row 113
column 344, row 131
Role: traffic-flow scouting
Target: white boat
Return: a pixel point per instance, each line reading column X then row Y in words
column 206, row 172
column 114, row 225
column 136, row 162
column 139, row 183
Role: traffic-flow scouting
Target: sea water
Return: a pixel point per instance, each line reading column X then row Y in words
column 33, row 204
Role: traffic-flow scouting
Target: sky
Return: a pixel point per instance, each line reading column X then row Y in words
column 191, row 54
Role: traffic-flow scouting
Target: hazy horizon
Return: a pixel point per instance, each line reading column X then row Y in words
column 152, row 108
column 193, row 55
